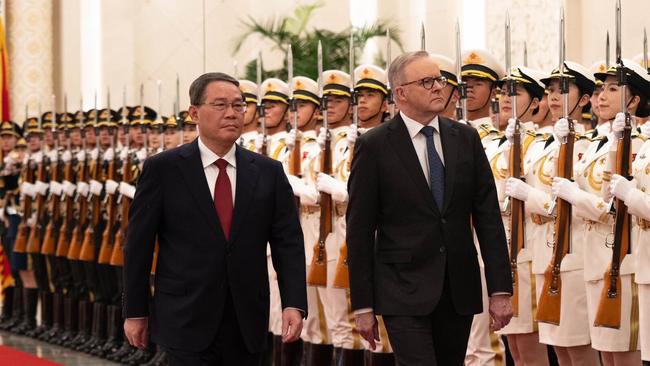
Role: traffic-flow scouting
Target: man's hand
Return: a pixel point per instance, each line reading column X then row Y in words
column 368, row 327
column 500, row 311
column 137, row 332
column 291, row 325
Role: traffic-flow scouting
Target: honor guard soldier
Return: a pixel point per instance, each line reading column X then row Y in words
column 636, row 195
column 337, row 87
column 316, row 335
column 189, row 128
column 481, row 71
column 249, row 131
column 172, row 135
column 12, row 164
column 450, row 91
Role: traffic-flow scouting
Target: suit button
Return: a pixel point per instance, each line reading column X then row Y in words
column 444, row 221
column 443, row 249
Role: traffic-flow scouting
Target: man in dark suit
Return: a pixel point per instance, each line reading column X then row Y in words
column 213, row 207
column 418, row 183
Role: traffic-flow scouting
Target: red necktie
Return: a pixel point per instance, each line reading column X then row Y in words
column 223, row 197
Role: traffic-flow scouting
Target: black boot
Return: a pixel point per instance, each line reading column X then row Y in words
column 113, row 333
column 98, row 334
column 292, row 353
column 379, row 359
column 351, row 357
column 84, row 324
column 138, row 357
column 124, row 352
column 320, row 355
column 30, row 303
column 337, row 356
column 55, row 332
column 17, row 309
column 7, row 303
column 70, row 318
column 46, row 315
column 158, row 359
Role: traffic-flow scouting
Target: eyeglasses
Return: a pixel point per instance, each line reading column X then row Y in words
column 238, row 107
column 428, row 82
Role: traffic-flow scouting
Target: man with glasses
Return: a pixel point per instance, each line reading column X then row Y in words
column 213, row 207
column 417, row 182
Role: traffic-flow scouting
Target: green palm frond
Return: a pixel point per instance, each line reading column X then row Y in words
column 293, row 30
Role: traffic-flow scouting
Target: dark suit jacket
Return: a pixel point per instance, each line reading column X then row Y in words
column 400, row 245
column 196, row 265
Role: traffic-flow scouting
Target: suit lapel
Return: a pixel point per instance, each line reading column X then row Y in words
column 401, row 142
column 247, row 175
column 191, row 169
column 449, row 139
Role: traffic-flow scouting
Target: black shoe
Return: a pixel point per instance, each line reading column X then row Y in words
column 138, row 358
column 46, row 316
column 98, row 335
column 17, row 309
column 124, row 352
column 114, row 332
column 30, row 303
column 54, row 334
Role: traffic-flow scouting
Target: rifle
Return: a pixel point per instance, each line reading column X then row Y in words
column 35, row 233
column 295, row 159
column 389, row 96
column 106, row 248
column 550, row 301
column 260, row 104
column 517, row 213
column 461, row 110
column 117, row 256
column 342, row 273
column 49, row 239
column 317, row 275
column 20, row 246
column 609, row 308
column 63, row 244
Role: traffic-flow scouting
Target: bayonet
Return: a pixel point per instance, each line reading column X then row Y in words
column 391, row 101
column 423, row 38
column 462, row 85
column 353, row 93
column 607, row 48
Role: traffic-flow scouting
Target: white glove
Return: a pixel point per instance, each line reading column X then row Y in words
column 334, row 187
column 322, row 137
column 621, row 187
column 68, row 188
column 141, row 155
column 53, row 156
column 66, row 157
column 83, row 188
column 56, row 188
column 297, row 184
column 290, row 140
column 111, row 186
column 81, row 156
column 561, row 128
column 618, row 125
column 124, row 153
column 352, row 135
column 94, row 154
column 127, row 189
column 259, row 142
column 95, row 187
column 27, row 189
column 109, row 154
column 565, row 189
column 510, row 130
column 9, row 160
column 32, row 220
column 41, row 187
column 645, row 129
column 37, row 157
column 516, row 188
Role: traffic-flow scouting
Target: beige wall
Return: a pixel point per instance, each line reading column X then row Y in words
column 149, row 40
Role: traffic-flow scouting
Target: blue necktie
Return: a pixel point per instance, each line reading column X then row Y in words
column 436, row 169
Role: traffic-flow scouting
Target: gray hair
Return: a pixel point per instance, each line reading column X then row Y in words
column 197, row 89
column 397, row 67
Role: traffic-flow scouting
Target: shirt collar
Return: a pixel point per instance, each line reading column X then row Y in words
column 414, row 127
column 208, row 157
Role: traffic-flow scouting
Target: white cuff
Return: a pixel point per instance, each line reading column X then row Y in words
column 68, row 188
column 111, row 186
column 95, row 187
column 127, row 190
column 83, row 188
column 56, row 188
column 41, row 187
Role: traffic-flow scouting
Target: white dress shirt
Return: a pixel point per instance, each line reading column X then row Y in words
column 211, row 171
column 419, row 141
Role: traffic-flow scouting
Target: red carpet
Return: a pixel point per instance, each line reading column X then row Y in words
column 13, row 357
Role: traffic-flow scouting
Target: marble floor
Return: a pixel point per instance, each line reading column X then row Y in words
column 50, row 352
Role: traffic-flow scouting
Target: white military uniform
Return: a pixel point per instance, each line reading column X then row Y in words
column 594, row 231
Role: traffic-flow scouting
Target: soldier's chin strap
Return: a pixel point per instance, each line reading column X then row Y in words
column 527, row 107
column 286, row 109
column 449, row 100
column 347, row 113
column 379, row 111
column 486, row 100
